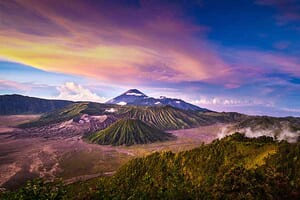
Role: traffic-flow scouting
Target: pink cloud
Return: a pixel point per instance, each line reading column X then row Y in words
column 109, row 42
column 7, row 84
column 253, row 66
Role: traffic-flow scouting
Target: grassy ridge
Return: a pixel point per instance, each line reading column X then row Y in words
column 129, row 132
column 164, row 117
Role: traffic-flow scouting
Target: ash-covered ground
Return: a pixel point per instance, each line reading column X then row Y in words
column 59, row 151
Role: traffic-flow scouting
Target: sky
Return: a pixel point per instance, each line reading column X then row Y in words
column 225, row 55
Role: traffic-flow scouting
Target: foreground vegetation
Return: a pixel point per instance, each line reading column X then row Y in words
column 235, row 167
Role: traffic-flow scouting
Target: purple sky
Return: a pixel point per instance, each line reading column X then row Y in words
column 223, row 55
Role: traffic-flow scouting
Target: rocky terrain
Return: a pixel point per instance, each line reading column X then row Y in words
column 80, row 126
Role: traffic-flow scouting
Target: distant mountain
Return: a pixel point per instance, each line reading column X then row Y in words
column 280, row 128
column 129, row 97
column 161, row 117
column 129, row 132
column 135, row 97
column 18, row 104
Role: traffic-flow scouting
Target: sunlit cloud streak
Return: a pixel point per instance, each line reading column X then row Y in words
column 105, row 46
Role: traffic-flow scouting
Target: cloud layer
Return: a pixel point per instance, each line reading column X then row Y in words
column 134, row 43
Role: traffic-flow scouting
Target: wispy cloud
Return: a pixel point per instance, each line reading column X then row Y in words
column 109, row 46
column 7, row 84
column 292, row 110
column 27, row 88
column 251, row 66
column 217, row 101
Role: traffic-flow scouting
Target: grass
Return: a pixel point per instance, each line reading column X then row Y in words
column 67, row 113
column 129, row 132
column 164, row 117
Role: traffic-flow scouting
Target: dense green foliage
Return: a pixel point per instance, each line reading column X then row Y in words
column 232, row 168
column 18, row 104
column 129, row 132
column 37, row 189
column 235, row 167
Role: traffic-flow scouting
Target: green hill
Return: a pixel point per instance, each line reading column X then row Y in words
column 129, row 132
column 234, row 167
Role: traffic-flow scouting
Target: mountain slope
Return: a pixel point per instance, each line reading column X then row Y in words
column 18, row 104
column 161, row 117
column 73, row 111
column 128, row 97
column 135, row 97
column 164, row 117
column 129, row 132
